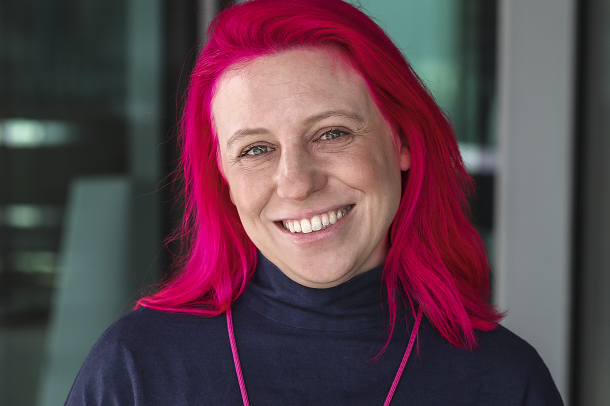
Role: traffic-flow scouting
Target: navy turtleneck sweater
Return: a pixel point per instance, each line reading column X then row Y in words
column 304, row 346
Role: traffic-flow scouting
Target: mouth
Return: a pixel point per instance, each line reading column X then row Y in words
column 316, row 223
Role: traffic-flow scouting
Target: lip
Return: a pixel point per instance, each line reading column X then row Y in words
column 304, row 238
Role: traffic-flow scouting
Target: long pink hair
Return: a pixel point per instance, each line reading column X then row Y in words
column 436, row 260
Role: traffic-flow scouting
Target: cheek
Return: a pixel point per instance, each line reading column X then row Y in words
column 249, row 194
column 380, row 178
column 373, row 171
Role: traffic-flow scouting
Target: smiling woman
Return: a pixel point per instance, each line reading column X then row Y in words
column 327, row 231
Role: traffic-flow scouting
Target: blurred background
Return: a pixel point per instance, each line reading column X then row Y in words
column 90, row 94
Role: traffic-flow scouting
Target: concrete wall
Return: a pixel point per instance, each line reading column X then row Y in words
column 534, row 192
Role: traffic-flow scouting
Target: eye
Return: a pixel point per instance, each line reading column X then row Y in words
column 332, row 134
column 255, row 150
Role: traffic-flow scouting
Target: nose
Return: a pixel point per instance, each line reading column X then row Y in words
column 298, row 174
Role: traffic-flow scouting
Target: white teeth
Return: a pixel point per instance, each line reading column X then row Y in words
column 316, row 223
column 325, row 220
column 332, row 217
column 306, row 226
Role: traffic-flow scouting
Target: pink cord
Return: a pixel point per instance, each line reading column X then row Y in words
column 242, row 384
column 240, row 376
column 404, row 358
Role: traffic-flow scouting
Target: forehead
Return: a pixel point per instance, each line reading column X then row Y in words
column 292, row 83
column 297, row 66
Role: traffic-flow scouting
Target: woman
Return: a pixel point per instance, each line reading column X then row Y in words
column 330, row 257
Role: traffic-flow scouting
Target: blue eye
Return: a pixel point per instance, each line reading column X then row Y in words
column 256, row 150
column 332, row 134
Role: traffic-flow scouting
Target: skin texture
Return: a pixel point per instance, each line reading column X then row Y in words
column 300, row 135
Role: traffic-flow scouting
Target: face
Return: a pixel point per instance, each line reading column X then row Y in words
column 311, row 164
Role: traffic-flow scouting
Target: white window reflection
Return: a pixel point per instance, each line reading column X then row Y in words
column 21, row 133
column 479, row 160
column 34, row 261
column 30, row 216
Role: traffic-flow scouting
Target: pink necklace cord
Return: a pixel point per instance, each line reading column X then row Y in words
column 242, row 383
column 240, row 376
column 405, row 358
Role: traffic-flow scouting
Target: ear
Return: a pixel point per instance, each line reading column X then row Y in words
column 404, row 158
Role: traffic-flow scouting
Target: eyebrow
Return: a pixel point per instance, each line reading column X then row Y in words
column 245, row 132
column 333, row 113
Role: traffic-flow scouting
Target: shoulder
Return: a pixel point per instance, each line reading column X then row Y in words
column 499, row 346
column 150, row 327
column 133, row 355
column 503, row 347
column 503, row 369
column 518, row 365
column 144, row 331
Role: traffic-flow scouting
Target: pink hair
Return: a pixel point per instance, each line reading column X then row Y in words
column 436, row 260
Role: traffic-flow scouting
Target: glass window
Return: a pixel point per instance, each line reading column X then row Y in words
column 88, row 92
column 62, row 92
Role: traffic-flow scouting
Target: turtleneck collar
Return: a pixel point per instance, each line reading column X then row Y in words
column 353, row 305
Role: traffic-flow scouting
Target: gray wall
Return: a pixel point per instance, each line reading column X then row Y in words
column 534, row 189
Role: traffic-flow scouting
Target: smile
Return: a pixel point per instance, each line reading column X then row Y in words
column 317, row 222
